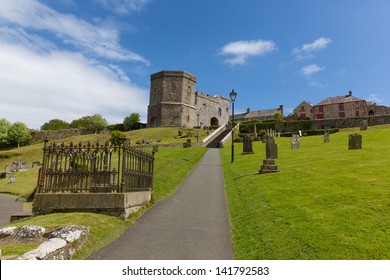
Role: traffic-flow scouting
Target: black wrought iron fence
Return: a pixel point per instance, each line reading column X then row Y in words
column 95, row 168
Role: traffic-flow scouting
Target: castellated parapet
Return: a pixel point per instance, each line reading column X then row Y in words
column 174, row 102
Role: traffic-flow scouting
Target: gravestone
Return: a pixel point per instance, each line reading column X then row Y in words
column 364, row 125
column 7, row 169
column 188, row 143
column 300, row 133
column 155, row 149
column 15, row 167
column 12, row 178
column 326, row 137
column 254, row 130
column 271, row 151
column 295, row 142
column 36, row 163
column 23, row 166
column 18, row 165
column 247, row 145
column 3, row 175
column 355, row 142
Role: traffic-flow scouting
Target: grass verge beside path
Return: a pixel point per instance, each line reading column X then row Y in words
column 172, row 165
column 327, row 202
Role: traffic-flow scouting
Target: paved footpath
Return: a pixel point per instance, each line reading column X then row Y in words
column 8, row 206
column 192, row 224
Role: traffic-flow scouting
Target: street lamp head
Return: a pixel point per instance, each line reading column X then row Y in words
column 233, row 95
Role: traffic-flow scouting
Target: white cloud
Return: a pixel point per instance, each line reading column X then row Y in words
column 123, row 7
column 242, row 50
column 307, row 50
column 89, row 38
column 375, row 98
column 311, row 69
column 37, row 87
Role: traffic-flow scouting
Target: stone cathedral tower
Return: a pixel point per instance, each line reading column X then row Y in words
column 174, row 102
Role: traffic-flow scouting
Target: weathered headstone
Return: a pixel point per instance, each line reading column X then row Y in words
column 12, row 178
column 36, row 163
column 15, row 167
column 326, row 137
column 188, row 143
column 247, row 145
column 364, row 125
column 7, row 169
column 271, row 149
column 185, row 145
column 23, row 166
column 155, row 149
column 3, row 175
column 300, row 133
column 355, row 141
column 295, row 142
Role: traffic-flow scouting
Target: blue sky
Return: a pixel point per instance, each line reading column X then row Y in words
column 67, row 59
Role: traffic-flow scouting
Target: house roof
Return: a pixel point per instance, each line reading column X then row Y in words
column 339, row 99
column 257, row 114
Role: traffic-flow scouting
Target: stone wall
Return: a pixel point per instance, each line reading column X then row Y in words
column 333, row 123
column 210, row 107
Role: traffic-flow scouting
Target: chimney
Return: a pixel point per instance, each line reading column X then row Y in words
column 350, row 93
column 248, row 110
column 281, row 109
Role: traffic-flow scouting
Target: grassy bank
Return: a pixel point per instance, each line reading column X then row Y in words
column 327, row 202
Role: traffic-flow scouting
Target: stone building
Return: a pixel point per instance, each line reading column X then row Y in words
column 340, row 107
column 262, row 115
column 174, row 102
column 377, row 110
column 304, row 110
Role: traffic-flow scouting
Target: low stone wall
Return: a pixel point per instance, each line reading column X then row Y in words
column 331, row 123
column 116, row 204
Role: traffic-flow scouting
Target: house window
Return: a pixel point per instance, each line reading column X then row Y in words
column 341, row 115
column 357, row 105
column 321, row 108
column 320, row 116
column 302, row 108
column 341, row 106
column 357, row 113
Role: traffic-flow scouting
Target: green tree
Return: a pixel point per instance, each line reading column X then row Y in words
column 131, row 122
column 81, row 123
column 4, row 127
column 55, row 124
column 18, row 133
column 97, row 122
column 278, row 117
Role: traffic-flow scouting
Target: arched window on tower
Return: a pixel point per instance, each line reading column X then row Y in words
column 219, row 112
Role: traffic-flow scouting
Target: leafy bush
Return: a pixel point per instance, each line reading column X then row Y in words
column 117, row 137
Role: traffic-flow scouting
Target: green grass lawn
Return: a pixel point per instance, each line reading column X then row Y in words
column 327, row 202
column 172, row 165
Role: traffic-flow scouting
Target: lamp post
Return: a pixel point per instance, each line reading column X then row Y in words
column 233, row 96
